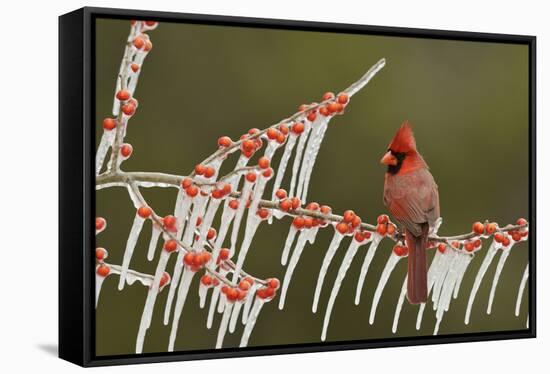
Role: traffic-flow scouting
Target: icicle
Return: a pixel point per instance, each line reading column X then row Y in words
column 227, row 217
column 239, row 215
column 181, row 212
column 390, row 265
column 362, row 82
column 288, row 244
column 521, row 290
column 203, row 292
column 252, row 318
column 270, row 149
column 300, row 244
column 207, row 221
column 223, row 324
column 147, row 314
column 129, row 251
column 251, row 227
column 234, row 317
column 155, row 234
column 447, row 290
column 221, row 303
column 501, row 261
column 106, row 142
column 317, row 146
column 439, row 278
column 310, row 145
column 346, row 262
column 183, row 290
column 98, row 283
column 466, row 260
column 432, row 271
column 198, row 210
column 248, row 302
column 479, row 277
column 399, row 305
column 366, row 264
column 135, row 200
column 214, row 301
column 281, row 171
column 298, row 158
column 333, row 247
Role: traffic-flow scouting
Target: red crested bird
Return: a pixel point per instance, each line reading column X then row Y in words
column 412, row 198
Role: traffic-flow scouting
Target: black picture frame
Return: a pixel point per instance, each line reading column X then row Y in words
column 77, row 187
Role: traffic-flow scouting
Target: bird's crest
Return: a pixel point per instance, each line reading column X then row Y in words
column 403, row 141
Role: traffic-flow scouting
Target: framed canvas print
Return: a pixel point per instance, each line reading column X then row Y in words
column 265, row 186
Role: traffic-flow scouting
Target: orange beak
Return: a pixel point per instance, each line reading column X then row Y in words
column 389, row 159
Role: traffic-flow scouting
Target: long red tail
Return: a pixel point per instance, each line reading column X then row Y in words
column 417, row 278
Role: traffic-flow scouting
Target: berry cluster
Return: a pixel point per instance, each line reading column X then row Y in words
column 384, row 226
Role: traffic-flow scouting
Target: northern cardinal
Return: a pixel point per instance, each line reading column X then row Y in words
column 412, row 198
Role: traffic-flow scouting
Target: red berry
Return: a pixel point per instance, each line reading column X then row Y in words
column 169, row 221
column 139, row 43
column 151, row 23
column 367, row 234
column 206, row 280
column 144, row 212
column 325, row 209
column 328, row 96
column 211, row 233
column 164, row 280
column 224, row 254
column 186, row 182
column 128, row 109
column 100, row 223
column 123, row 95
column 311, row 116
column 308, row 222
column 192, row 191
column 477, row 243
column 170, row 245
column 302, row 107
column 441, row 247
column 334, row 107
column 204, row 257
column 263, row 162
column 225, row 141
column 381, row 229
column 267, row 173
column 491, row 228
column 312, row 206
column 298, row 222
column 109, row 124
column 506, row 241
column 298, row 128
column 134, row 67
column 273, row 283
column 283, row 129
column 200, row 169
column 248, row 145
column 244, row 285
column 343, row 98
column 100, row 254
column 295, row 203
column 189, row 258
column 251, row 177
column 209, row 172
column 148, row 46
column 234, row 204
column 232, row 294
column 342, row 227
column 349, row 215
column 382, row 219
column 126, row 150
column 390, row 229
column 400, row 250
column 521, row 221
column 281, row 138
column 103, row 270
column 199, row 221
column 263, row 213
column 324, row 111
column 478, row 228
column 285, row 205
column 469, row 246
column 357, row 221
column 272, row 133
column 516, row 236
column 281, row 194
column 217, row 194
column 359, row 237
column 499, row 237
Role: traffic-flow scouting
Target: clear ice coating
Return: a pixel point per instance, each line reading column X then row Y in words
column 147, row 314
column 300, row 244
column 522, row 289
column 223, row 324
column 500, row 265
column 309, row 145
column 447, row 288
column 388, row 269
column 98, row 283
column 493, row 248
column 183, row 291
column 214, row 301
column 130, row 246
column 248, row 302
column 366, row 264
column 251, row 322
column 288, row 244
column 203, row 292
column 234, row 317
column 227, row 217
column 323, row 125
column 106, row 142
column 155, row 234
column 332, row 248
column 239, row 215
column 281, row 170
column 466, row 260
column 298, row 158
column 432, row 272
column 399, row 305
column 346, row 262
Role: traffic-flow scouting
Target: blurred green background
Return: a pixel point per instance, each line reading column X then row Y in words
column 467, row 101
